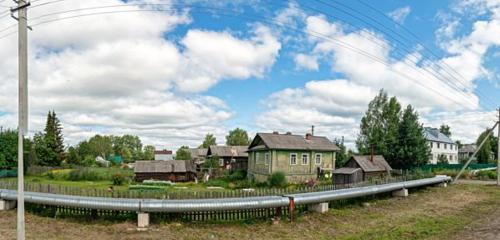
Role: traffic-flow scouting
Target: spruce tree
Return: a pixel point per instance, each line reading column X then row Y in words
column 412, row 149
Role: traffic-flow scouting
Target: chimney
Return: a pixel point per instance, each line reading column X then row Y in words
column 276, row 132
column 308, row 136
column 312, row 130
column 288, row 133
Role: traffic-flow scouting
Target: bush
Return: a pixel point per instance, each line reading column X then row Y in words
column 118, row 179
column 84, row 174
column 485, row 175
column 237, row 175
column 277, row 179
column 217, row 183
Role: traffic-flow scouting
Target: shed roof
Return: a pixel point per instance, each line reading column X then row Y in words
column 378, row 165
column 289, row 141
column 433, row 134
column 198, row 152
column 346, row 170
column 170, row 166
column 228, row 151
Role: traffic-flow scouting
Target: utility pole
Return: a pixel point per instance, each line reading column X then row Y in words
column 498, row 149
column 22, row 18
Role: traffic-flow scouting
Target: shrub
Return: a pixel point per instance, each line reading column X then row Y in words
column 118, row 179
column 217, row 183
column 277, row 179
column 237, row 175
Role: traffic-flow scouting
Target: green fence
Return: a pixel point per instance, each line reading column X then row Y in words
column 472, row 166
column 8, row 173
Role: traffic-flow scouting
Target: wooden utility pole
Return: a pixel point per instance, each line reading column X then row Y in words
column 22, row 18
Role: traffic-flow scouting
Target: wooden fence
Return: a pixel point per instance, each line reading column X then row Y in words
column 188, row 193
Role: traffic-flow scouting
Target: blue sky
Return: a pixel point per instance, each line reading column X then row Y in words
column 173, row 76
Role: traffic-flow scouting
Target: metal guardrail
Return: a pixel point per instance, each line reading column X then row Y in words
column 200, row 205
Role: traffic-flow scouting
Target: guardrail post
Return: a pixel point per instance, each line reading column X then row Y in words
column 400, row 193
column 142, row 220
column 7, row 205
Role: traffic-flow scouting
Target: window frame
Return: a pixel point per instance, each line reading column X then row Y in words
column 302, row 159
column 221, row 162
column 316, row 158
column 266, row 159
column 290, row 158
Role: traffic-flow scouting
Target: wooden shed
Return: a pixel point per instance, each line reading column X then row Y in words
column 172, row 170
column 372, row 166
column 347, row 175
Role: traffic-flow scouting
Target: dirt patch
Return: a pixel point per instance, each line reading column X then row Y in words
column 429, row 213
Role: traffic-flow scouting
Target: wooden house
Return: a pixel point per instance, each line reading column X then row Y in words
column 230, row 157
column 299, row 157
column 372, row 166
column 172, row 170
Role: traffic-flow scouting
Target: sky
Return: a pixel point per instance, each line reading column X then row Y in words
column 172, row 71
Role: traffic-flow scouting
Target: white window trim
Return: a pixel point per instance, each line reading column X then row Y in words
column 221, row 162
column 266, row 158
column 293, row 154
column 302, row 159
column 316, row 158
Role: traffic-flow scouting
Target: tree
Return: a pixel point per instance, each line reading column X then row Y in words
column 494, row 145
column 49, row 145
column 372, row 133
column 210, row 140
column 237, row 137
column 391, row 113
column 46, row 156
column 484, row 154
column 183, row 153
column 8, row 149
column 130, row 145
column 442, row 159
column 445, row 129
column 341, row 157
column 412, row 149
column 149, row 152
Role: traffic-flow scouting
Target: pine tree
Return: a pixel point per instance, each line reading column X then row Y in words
column 412, row 149
column 49, row 146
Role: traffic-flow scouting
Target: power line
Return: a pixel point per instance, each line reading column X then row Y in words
column 273, row 22
column 438, row 75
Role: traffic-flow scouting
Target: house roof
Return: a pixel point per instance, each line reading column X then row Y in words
column 171, row 166
column 467, row 148
column 346, row 170
column 289, row 141
column 228, row 151
column 433, row 134
column 163, row 151
column 378, row 165
column 198, row 152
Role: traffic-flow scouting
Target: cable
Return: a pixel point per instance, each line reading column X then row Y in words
column 436, row 74
column 339, row 42
column 453, row 72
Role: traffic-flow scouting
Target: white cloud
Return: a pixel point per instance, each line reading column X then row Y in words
column 309, row 62
column 399, row 15
column 118, row 74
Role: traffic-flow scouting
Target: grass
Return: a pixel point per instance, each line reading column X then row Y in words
column 431, row 213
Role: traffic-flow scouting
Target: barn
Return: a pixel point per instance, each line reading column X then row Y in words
column 172, row 170
column 370, row 166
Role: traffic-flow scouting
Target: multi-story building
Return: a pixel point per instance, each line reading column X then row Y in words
column 441, row 146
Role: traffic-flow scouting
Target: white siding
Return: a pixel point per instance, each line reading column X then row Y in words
column 451, row 153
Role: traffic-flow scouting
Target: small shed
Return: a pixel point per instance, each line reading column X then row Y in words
column 372, row 166
column 347, row 175
column 172, row 170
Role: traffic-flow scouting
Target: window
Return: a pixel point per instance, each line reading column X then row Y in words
column 438, row 144
column 445, row 145
column 221, row 162
column 257, row 160
column 293, row 159
column 431, row 145
column 318, row 158
column 305, row 159
column 451, row 157
column 266, row 159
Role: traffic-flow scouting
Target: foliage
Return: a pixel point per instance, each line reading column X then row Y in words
column 442, row 159
column 277, row 179
column 397, row 136
column 237, row 137
column 445, row 129
column 118, row 179
column 209, row 140
column 8, row 149
column 149, row 152
column 484, row 154
column 236, row 175
column 412, row 149
column 343, row 155
column 485, row 175
column 127, row 146
column 494, row 146
column 183, row 153
column 87, row 174
column 49, row 145
column 211, row 162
